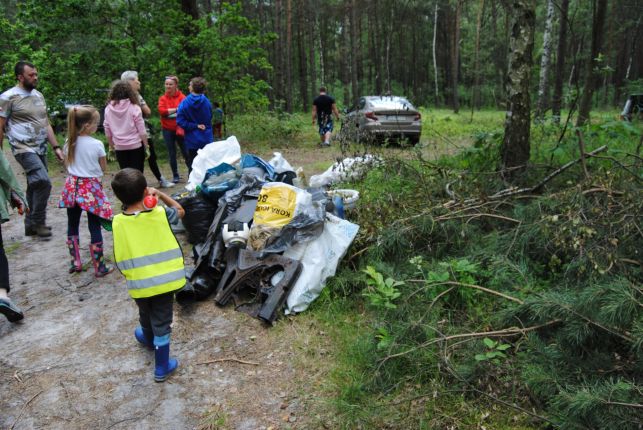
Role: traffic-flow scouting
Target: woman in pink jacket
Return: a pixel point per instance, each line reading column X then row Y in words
column 124, row 126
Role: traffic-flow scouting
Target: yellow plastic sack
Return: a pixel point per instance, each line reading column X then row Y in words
column 276, row 205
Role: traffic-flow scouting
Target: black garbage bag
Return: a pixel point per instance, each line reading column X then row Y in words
column 199, row 213
column 199, row 285
column 286, row 177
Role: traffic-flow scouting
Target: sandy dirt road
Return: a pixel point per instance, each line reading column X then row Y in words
column 73, row 362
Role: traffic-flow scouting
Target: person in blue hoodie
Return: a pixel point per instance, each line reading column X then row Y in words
column 195, row 117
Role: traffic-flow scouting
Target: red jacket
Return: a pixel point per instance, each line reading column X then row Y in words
column 166, row 102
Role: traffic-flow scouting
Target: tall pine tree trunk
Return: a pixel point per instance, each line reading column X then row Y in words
column 389, row 34
column 435, row 60
column 193, row 66
column 377, row 44
column 557, row 98
column 354, row 52
column 543, row 83
column 515, row 146
column 303, row 73
column 592, row 76
column 455, row 57
column 345, row 57
column 476, row 68
column 313, row 27
column 288, row 59
column 279, row 56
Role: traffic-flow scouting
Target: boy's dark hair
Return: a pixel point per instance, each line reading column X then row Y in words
column 322, row 89
column 198, row 85
column 19, row 69
column 216, row 104
column 129, row 186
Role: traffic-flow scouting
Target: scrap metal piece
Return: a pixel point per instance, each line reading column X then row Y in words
column 245, row 268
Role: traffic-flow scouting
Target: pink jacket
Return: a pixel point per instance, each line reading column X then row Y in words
column 124, row 125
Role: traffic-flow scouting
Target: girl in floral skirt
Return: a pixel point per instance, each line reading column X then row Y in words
column 86, row 162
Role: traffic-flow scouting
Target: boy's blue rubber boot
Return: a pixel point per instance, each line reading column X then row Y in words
column 144, row 337
column 164, row 365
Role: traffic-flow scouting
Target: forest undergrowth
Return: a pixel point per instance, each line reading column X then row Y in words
column 485, row 304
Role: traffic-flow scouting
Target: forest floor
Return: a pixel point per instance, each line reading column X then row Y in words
column 73, row 362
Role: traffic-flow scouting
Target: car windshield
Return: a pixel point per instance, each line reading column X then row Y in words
column 390, row 103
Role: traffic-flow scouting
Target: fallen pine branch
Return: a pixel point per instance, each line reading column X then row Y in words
column 478, row 215
column 513, row 191
column 627, row 405
column 25, row 407
column 460, row 284
column 513, row 331
column 581, row 147
column 507, row 192
column 220, row 360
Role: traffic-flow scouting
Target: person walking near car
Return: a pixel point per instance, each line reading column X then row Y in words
column 86, row 162
column 11, row 194
column 168, row 105
column 131, row 76
column 23, row 113
column 323, row 109
column 124, row 126
column 195, row 117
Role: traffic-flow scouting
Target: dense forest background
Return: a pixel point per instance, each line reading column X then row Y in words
column 276, row 53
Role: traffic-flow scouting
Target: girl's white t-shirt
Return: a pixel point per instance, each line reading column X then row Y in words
column 88, row 151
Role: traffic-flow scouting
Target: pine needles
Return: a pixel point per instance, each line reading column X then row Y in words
column 551, row 269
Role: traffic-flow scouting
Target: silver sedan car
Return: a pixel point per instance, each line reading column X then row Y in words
column 377, row 118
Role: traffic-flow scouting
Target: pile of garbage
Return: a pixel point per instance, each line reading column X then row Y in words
column 261, row 238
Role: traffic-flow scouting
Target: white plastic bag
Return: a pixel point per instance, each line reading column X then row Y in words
column 211, row 155
column 280, row 163
column 319, row 259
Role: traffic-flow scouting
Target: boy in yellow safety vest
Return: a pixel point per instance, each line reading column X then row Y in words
column 149, row 256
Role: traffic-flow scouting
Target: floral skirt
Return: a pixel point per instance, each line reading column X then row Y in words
column 86, row 193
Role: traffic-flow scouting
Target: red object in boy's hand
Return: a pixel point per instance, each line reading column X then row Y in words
column 150, row 202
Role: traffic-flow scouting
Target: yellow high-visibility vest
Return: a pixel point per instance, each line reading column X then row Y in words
column 147, row 253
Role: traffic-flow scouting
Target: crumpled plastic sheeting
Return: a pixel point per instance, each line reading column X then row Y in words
column 346, row 170
column 320, row 258
column 249, row 185
column 302, row 228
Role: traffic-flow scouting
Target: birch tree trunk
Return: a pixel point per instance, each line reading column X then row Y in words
column 541, row 106
column 515, row 146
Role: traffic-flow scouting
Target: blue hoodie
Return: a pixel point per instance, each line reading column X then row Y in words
column 195, row 109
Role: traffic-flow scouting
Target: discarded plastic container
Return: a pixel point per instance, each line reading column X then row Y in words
column 349, row 197
column 338, row 202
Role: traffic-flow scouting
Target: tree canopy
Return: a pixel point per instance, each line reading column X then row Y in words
column 277, row 52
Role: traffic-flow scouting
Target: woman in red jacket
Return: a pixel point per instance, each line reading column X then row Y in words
column 168, row 105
